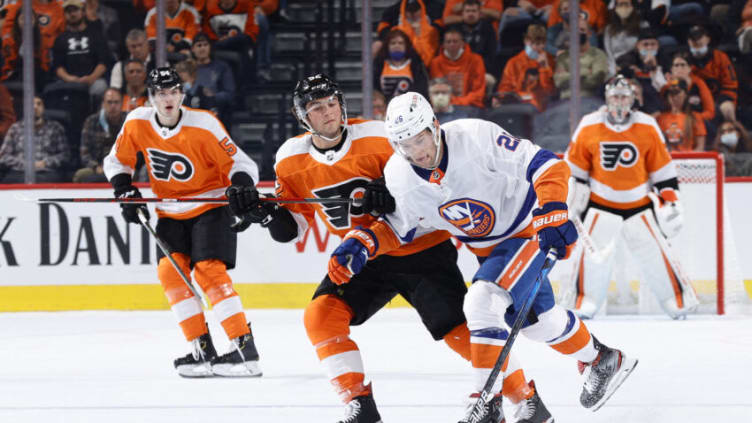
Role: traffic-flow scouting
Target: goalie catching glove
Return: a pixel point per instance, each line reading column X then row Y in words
column 554, row 229
column 668, row 211
column 349, row 258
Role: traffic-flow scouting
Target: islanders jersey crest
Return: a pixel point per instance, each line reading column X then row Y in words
column 473, row 217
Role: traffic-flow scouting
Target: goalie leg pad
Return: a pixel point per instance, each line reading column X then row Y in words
column 591, row 278
column 661, row 269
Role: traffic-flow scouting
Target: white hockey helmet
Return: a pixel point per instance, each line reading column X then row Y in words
column 620, row 97
column 407, row 116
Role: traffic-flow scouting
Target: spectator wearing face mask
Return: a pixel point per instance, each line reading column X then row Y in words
column 397, row 68
column 700, row 99
column 528, row 76
column 644, row 65
column 417, row 19
column 716, row 69
column 593, row 67
column 440, row 94
column 731, row 138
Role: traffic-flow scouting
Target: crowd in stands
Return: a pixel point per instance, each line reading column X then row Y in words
column 690, row 63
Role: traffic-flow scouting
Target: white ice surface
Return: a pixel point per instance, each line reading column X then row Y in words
column 117, row 367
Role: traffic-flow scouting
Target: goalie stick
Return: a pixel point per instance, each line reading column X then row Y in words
column 486, row 395
column 166, row 252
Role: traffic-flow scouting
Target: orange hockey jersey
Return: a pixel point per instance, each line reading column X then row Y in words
column 303, row 171
column 218, row 23
column 621, row 162
column 196, row 158
column 181, row 27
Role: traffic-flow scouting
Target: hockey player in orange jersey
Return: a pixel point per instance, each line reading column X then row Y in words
column 188, row 153
column 505, row 198
column 619, row 162
column 344, row 158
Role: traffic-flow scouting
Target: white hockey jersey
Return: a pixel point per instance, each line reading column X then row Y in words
column 482, row 192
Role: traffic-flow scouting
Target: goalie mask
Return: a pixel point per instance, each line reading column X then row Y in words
column 312, row 88
column 163, row 85
column 407, row 117
column 620, row 97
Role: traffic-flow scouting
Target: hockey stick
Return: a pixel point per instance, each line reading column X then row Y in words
column 596, row 255
column 486, row 395
column 217, row 200
column 166, row 252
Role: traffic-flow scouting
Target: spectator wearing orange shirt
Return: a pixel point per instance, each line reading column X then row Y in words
column 481, row 36
column 181, row 25
column 49, row 18
column 7, row 112
column 684, row 129
column 463, row 69
column 12, row 63
column 716, row 69
column 594, row 12
column 700, row 99
column 413, row 18
column 528, row 77
column 557, row 35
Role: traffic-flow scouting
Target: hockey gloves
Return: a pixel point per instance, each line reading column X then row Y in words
column 130, row 210
column 245, row 204
column 554, row 229
column 377, row 199
column 349, row 258
column 669, row 212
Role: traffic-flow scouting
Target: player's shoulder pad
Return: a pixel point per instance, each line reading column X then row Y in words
column 203, row 119
column 294, row 146
column 361, row 128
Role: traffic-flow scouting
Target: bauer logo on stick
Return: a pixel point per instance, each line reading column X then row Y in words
column 169, row 165
column 618, row 153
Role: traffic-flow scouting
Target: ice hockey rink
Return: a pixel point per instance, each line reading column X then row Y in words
column 103, row 366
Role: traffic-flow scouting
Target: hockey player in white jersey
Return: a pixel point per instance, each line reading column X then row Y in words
column 618, row 157
column 505, row 198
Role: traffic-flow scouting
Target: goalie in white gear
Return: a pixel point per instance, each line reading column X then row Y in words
column 625, row 185
column 504, row 197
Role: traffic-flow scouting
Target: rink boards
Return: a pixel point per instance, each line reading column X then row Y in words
column 85, row 257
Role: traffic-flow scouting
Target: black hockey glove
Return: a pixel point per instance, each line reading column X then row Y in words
column 130, row 210
column 377, row 199
column 245, row 204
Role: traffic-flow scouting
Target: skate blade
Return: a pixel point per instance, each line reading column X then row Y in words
column 626, row 369
column 192, row 372
column 246, row 369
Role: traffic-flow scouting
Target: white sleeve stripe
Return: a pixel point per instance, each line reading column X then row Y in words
column 666, row 172
column 543, row 168
column 577, row 171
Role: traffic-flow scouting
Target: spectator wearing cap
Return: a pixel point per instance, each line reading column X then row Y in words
column 138, row 49
column 684, row 129
column 464, row 70
column 593, row 67
column 214, row 75
column 699, row 97
column 80, row 53
column 528, row 76
column 643, row 65
column 488, row 10
column 416, row 18
column 716, row 69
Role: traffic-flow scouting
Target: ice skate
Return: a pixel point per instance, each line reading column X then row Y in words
column 361, row 409
column 491, row 413
column 532, row 409
column 198, row 362
column 604, row 375
column 240, row 361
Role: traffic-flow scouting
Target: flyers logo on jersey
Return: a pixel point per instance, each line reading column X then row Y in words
column 618, row 153
column 473, row 217
column 165, row 166
column 338, row 214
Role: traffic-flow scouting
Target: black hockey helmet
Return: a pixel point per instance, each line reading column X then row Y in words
column 162, row 78
column 313, row 88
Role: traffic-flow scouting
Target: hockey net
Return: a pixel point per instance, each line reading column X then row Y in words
column 705, row 247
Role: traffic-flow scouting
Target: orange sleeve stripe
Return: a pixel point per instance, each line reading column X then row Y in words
column 576, row 342
column 512, row 273
column 552, row 185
